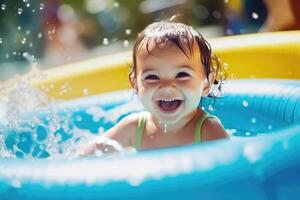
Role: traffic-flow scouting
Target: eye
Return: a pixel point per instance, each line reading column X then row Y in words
column 151, row 77
column 182, row 75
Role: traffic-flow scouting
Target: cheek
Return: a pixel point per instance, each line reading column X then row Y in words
column 145, row 87
column 145, row 92
column 193, row 93
column 193, row 87
column 145, row 97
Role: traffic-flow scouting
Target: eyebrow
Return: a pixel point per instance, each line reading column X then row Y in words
column 178, row 67
column 186, row 66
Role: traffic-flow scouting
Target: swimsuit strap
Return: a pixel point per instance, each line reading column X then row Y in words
column 139, row 131
column 198, row 129
column 199, row 124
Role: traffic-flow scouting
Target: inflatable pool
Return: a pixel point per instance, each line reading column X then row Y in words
column 260, row 162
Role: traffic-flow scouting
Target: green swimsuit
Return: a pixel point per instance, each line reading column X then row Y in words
column 142, row 122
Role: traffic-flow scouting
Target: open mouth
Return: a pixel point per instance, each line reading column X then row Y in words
column 169, row 105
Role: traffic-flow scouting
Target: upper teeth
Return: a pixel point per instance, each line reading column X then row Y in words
column 168, row 99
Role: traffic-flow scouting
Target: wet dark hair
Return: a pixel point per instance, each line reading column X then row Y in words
column 184, row 37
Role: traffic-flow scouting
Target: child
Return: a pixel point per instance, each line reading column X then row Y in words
column 172, row 70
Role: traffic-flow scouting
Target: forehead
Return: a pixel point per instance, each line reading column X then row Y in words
column 162, row 47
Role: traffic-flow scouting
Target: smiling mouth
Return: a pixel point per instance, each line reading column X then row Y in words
column 169, row 105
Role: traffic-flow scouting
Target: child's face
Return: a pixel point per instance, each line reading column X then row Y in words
column 169, row 83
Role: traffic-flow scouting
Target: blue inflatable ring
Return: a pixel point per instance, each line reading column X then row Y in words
column 261, row 161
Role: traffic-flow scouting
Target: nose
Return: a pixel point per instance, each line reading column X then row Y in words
column 167, row 87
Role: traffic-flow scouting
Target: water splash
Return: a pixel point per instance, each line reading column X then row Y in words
column 19, row 96
column 4, row 153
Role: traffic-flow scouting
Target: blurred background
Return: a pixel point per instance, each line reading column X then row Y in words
column 55, row 32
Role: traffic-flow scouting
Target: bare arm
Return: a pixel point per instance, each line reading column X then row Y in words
column 213, row 130
column 123, row 133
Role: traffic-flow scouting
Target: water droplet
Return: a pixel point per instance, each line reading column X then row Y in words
column 23, row 41
column 3, row 7
column 30, row 44
column 255, row 15
column 0, row 40
column 29, row 58
column 33, row 10
column 128, row 31
column 19, row 28
column 28, row 5
column 27, row 32
column 253, row 120
column 25, row 1
column 270, row 127
column 101, row 130
column 20, row 11
column 225, row 65
column 231, row 131
column 125, row 43
column 105, row 41
column 58, row 137
column 116, row 4
column 210, row 108
column 14, row 53
column 245, row 103
column 35, row 136
column 7, row 55
column 232, row 76
column 247, row 133
column 40, row 35
column 86, row 92
column 42, row 6
column 165, row 128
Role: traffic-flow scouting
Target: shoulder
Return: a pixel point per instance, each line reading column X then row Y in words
column 124, row 131
column 212, row 129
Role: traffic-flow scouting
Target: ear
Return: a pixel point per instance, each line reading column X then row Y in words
column 208, row 83
column 134, row 83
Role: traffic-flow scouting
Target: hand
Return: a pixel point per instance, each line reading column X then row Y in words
column 100, row 146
